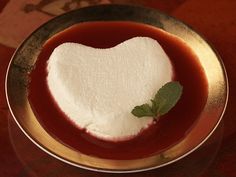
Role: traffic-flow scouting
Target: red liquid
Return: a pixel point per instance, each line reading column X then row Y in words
column 169, row 130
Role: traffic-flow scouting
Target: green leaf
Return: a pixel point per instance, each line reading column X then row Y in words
column 167, row 97
column 154, row 107
column 143, row 110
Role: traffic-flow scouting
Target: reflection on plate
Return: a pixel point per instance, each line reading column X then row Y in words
column 26, row 55
column 40, row 164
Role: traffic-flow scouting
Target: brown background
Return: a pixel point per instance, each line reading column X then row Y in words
column 214, row 19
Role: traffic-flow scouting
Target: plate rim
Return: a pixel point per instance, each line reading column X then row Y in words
column 42, row 147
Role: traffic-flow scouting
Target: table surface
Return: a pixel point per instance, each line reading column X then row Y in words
column 216, row 20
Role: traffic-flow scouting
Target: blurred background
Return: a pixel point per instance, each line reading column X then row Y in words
column 214, row 19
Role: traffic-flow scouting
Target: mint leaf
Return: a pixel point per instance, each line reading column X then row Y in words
column 143, row 110
column 167, row 97
column 164, row 100
column 154, row 107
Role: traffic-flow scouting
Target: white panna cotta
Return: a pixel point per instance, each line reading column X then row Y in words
column 98, row 88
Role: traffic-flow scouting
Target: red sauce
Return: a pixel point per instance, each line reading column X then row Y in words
column 169, row 130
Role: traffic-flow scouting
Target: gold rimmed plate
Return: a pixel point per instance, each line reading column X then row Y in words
column 25, row 57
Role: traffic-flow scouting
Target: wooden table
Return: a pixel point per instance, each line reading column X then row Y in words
column 214, row 19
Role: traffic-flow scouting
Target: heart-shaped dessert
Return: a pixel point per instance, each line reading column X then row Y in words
column 98, row 88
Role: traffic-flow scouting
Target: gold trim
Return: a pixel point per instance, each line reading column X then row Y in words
column 26, row 55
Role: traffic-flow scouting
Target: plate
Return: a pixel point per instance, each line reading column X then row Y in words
column 25, row 57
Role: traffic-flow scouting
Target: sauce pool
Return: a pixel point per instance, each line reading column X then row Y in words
column 168, row 131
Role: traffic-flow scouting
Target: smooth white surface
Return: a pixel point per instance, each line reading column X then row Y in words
column 98, row 88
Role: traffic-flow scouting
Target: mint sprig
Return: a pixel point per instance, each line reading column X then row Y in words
column 165, row 99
